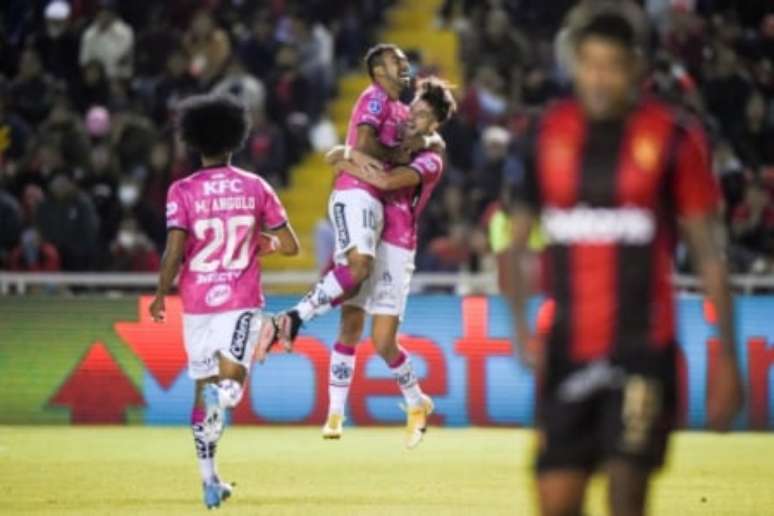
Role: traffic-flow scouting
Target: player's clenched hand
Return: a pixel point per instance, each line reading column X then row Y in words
column 268, row 244
column 157, row 310
column 724, row 394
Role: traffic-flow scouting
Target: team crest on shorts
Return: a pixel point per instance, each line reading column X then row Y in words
column 241, row 334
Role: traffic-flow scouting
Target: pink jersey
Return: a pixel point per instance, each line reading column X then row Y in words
column 386, row 116
column 403, row 207
column 223, row 209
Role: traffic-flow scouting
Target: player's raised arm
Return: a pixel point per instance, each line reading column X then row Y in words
column 696, row 195
column 170, row 266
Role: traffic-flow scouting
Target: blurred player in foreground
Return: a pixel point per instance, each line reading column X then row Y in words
column 215, row 219
column 612, row 175
column 407, row 190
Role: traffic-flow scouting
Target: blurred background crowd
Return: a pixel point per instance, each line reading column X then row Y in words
column 87, row 96
column 88, row 88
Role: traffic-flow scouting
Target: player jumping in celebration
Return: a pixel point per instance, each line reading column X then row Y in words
column 215, row 219
column 384, row 295
column 612, row 175
column 355, row 207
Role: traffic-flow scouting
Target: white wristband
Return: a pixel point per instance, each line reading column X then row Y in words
column 347, row 152
column 428, row 141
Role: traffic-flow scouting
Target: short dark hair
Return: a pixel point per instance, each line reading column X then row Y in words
column 437, row 93
column 213, row 125
column 375, row 56
column 610, row 26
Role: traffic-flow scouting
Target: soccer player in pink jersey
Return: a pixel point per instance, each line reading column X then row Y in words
column 216, row 219
column 406, row 191
column 376, row 128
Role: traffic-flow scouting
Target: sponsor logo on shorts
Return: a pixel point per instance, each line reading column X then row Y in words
column 340, row 221
column 241, row 334
column 217, row 295
column 585, row 382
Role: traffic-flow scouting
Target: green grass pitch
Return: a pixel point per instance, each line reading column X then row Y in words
column 282, row 470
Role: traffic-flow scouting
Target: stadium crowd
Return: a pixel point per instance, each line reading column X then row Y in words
column 715, row 58
column 87, row 89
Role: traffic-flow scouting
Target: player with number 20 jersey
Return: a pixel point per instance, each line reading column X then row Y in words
column 216, row 220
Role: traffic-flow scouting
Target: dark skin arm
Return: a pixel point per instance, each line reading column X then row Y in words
column 170, row 266
column 724, row 394
column 288, row 241
column 522, row 220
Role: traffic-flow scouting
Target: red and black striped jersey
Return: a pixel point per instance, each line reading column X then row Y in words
column 609, row 195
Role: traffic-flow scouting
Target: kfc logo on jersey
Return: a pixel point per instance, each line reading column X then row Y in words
column 218, row 295
column 222, row 186
column 634, row 226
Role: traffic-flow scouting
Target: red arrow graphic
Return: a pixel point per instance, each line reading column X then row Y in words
column 159, row 346
column 97, row 391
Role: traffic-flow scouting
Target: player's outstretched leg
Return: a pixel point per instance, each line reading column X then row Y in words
column 340, row 374
column 336, row 285
column 341, row 370
column 418, row 405
column 206, row 438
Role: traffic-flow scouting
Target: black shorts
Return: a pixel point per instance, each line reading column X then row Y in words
column 607, row 411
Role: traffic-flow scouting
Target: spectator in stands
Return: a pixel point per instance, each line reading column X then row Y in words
column 132, row 250
column 495, row 169
column 33, row 254
column 289, row 106
column 726, row 89
column 238, row 82
column 92, row 87
column 65, row 129
column 15, row 134
column 155, row 43
column 101, row 185
column 752, row 230
column 58, row 44
column 10, row 223
column 67, row 219
column 315, row 51
column 174, row 84
column 485, row 102
column 755, row 135
column 208, row 48
column 32, row 90
column 258, row 50
column 162, row 170
column 265, row 151
column 110, row 41
column 499, row 44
